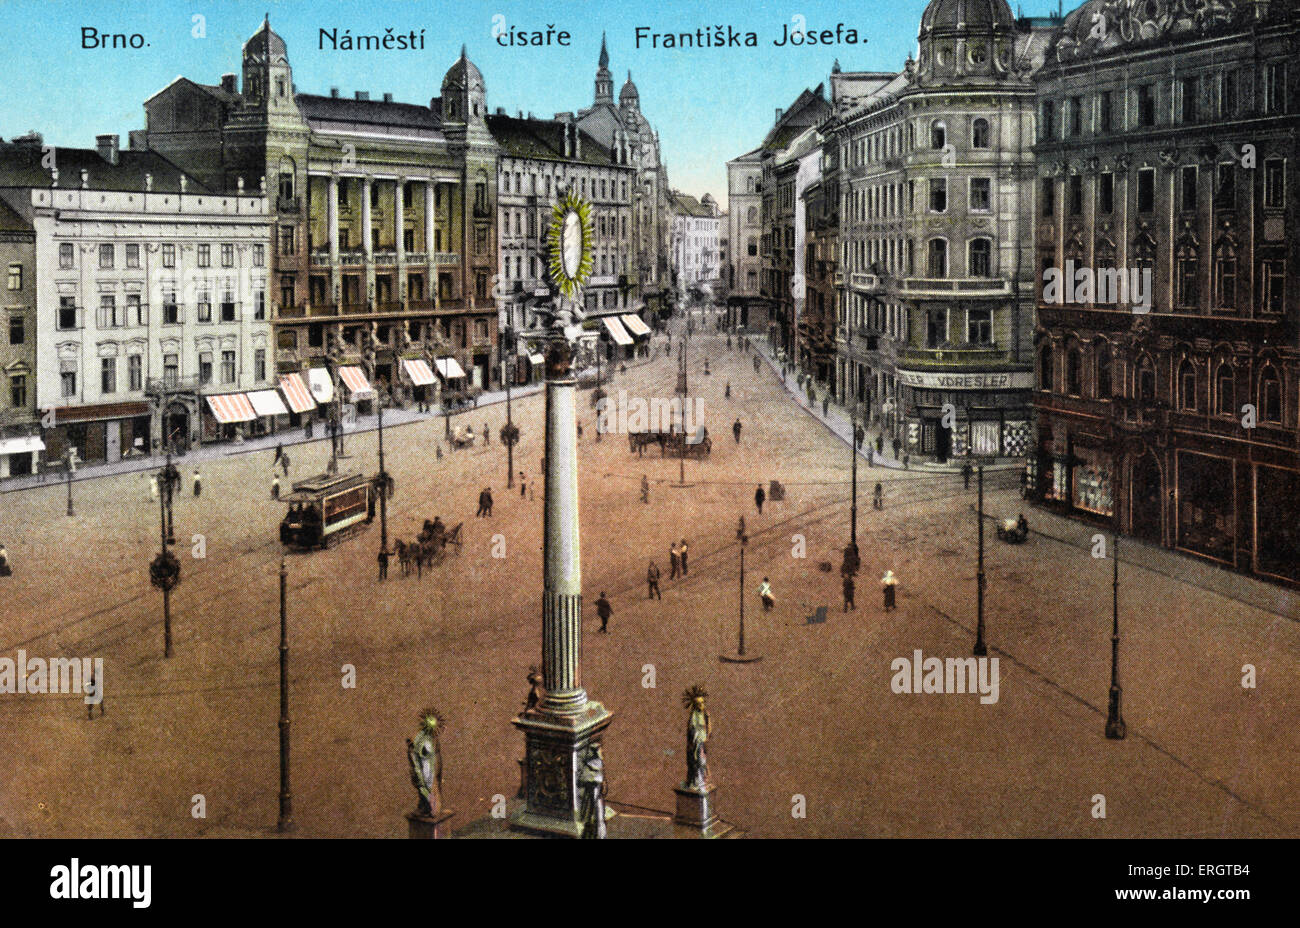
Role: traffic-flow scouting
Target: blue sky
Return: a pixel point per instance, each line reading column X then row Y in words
column 709, row 104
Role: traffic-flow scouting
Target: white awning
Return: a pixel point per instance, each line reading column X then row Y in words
column 322, row 388
column 418, row 370
column 267, row 403
column 449, row 369
column 616, row 330
column 635, row 325
column 354, row 378
column 231, row 407
column 537, row 358
column 25, row 444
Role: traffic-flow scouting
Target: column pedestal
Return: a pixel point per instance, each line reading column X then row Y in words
column 696, row 810
column 428, row 827
column 555, row 747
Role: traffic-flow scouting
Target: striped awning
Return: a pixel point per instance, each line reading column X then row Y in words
column 616, row 330
column 231, row 407
column 267, row 403
column 635, row 325
column 418, row 370
column 355, row 380
column 449, row 369
column 322, row 387
column 296, row 392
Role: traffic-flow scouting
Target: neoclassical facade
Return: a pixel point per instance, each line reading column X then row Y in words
column 1166, row 154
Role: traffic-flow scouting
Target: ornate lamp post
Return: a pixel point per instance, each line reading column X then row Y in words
column 1115, row 727
column 510, row 434
column 981, row 648
column 740, row 657
column 165, row 569
column 70, row 460
column 380, row 394
column 285, row 821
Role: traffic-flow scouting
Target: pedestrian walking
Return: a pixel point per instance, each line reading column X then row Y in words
column 652, row 582
column 727, row 394
column 888, row 584
column 437, row 447
column 94, row 697
column 765, row 594
column 198, row 484
column 880, row 445
column 898, row 445
column 966, row 471
column 284, row 464
column 682, row 550
column 306, row 429
column 735, row 429
column 486, row 435
column 523, row 484
column 674, row 561
column 484, row 503
column 826, row 405
column 907, row 459
column 645, row 489
column 279, row 451
column 848, row 593
column 878, row 497
column 383, row 563
column 275, row 485
column 759, row 496
column 604, row 610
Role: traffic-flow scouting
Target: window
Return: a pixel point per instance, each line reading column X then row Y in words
column 981, row 258
column 1045, row 367
column 1191, row 88
column 1225, row 276
column 105, row 257
column 1076, row 115
column 227, row 367
column 227, row 255
column 1270, row 395
column 979, row 134
column 1102, row 353
column 1146, row 192
column 1188, row 274
column 133, row 256
column 1187, row 386
column 1226, row 185
column 1223, row 389
column 205, row 306
column 1146, row 382
column 1106, row 194
column 15, row 277
column 259, row 304
column 17, row 329
column 938, row 135
column 205, row 367
column 1274, row 183
column 227, row 307
column 18, row 390
column 205, row 256
column 68, row 380
column 171, row 369
column 286, row 185
column 1188, row 180
column 1273, row 278
column 1105, row 108
column 108, row 375
column 981, row 194
column 938, row 194
column 938, row 258
column 979, row 326
column 480, row 286
column 1048, row 196
column 66, row 256
column 169, row 255
column 288, row 240
column 1049, row 119
column 259, row 364
column 171, row 311
column 1275, row 87
column 67, row 313
column 135, row 373
column 1074, row 371
column 1075, row 187
column 1146, row 105
column 259, row 256
column 107, row 317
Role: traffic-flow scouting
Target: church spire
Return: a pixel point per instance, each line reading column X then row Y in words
column 604, row 80
column 604, row 53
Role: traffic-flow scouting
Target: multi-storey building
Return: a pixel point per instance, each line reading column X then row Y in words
column 150, row 298
column 936, row 187
column 745, row 302
column 818, row 320
column 695, row 242
column 1167, row 407
column 539, row 160
column 385, row 212
column 622, row 126
column 20, row 441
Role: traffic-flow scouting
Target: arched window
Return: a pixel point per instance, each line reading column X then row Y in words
column 1225, row 275
column 752, row 215
column 1101, row 351
column 1270, row 395
column 938, row 134
column 1187, row 386
column 980, row 258
column 1146, row 382
column 1074, row 371
column 1188, row 274
column 752, row 246
column 1045, row 366
column 1225, row 400
column 979, row 133
column 938, row 257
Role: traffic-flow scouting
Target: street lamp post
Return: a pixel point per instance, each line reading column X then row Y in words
column 165, row 569
column 1115, row 727
column 740, row 657
column 71, row 459
column 853, row 451
column 981, row 648
column 683, row 390
column 285, row 822
column 508, row 435
column 383, row 472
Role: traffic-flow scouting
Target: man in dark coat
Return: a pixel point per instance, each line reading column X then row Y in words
column 735, row 430
column 848, row 593
column 966, row 471
column 604, row 610
column 652, row 581
column 759, row 496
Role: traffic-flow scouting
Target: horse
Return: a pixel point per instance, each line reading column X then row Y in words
column 404, row 557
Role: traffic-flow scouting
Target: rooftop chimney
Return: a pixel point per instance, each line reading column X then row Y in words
column 334, row 91
column 148, row 182
column 363, row 95
column 388, row 98
column 779, row 113
column 228, row 83
column 107, row 145
column 85, row 179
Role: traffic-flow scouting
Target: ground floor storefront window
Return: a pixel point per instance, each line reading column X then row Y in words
column 1206, row 505
column 1277, row 536
column 1093, row 482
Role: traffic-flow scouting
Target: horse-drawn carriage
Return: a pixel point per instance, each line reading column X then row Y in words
column 430, row 547
column 1013, row 531
column 673, row 443
column 463, row 437
column 327, row 508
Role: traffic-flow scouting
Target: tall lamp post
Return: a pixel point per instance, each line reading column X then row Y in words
column 740, row 657
column 285, row 821
column 509, row 434
column 981, row 648
column 683, row 391
column 70, row 459
column 380, row 393
column 165, row 569
column 854, row 443
column 1115, row 727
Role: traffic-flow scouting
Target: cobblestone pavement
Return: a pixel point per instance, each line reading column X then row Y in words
column 815, row 718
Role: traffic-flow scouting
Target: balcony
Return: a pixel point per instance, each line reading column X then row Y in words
column 385, row 257
column 417, row 257
column 946, row 286
column 291, row 312
column 288, row 204
column 320, row 259
column 869, row 283
column 951, row 357
column 446, row 257
column 352, row 258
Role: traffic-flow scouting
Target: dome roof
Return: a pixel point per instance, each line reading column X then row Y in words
column 265, row 44
column 462, row 75
column 629, row 91
column 962, row 15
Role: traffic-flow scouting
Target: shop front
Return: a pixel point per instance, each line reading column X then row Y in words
column 982, row 414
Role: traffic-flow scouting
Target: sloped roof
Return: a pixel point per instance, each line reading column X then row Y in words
column 542, row 138
column 370, row 112
column 686, row 205
column 20, row 166
column 11, row 221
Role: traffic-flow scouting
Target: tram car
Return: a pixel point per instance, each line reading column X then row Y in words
column 327, row 508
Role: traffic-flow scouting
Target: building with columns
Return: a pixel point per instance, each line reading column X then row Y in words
column 385, row 212
column 1166, row 149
